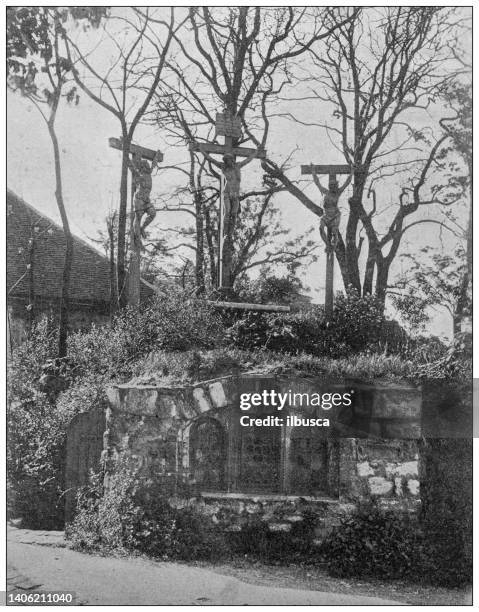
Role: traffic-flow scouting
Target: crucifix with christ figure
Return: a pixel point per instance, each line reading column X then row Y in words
column 329, row 226
column 228, row 126
column 141, row 162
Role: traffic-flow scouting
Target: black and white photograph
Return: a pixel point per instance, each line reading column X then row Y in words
column 239, row 251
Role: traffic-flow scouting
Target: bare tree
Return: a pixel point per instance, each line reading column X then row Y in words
column 380, row 69
column 107, row 240
column 260, row 240
column 458, row 97
column 37, row 69
column 236, row 60
column 139, row 42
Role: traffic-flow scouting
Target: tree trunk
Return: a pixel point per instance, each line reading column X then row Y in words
column 211, row 248
column 463, row 298
column 113, row 285
column 340, row 251
column 65, row 295
column 352, row 254
column 382, row 281
column 227, row 262
column 134, row 267
column 200, row 247
column 31, row 280
column 369, row 273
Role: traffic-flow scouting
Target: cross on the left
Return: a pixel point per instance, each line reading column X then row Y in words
column 141, row 171
column 141, row 184
column 143, row 152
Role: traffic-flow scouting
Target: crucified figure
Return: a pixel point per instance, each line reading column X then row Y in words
column 142, row 184
column 329, row 226
column 231, row 170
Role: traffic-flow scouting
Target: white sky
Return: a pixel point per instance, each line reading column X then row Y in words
column 91, row 174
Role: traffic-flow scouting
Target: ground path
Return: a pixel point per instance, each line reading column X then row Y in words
column 40, row 558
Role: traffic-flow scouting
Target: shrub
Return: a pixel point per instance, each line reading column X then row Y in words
column 35, row 436
column 37, row 422
column 188, row 366
column 270, row 289
column 173, row 321
column 256, row 540
column 27, row 360
column 356, row 325
column 446, row 491
column 133, row 514
column 373, row 543
column 381, row 544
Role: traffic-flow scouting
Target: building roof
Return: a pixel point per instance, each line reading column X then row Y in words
column 90, row 276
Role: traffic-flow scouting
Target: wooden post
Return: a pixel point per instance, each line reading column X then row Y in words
column 329, row 289
column 134, row 267
column 221, row 221
column 134, row 270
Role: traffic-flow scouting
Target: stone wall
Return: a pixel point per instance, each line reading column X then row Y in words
column 150, row 426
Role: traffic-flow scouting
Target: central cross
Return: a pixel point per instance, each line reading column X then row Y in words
column 228, row 126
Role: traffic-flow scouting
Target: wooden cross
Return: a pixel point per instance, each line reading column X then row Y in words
column 332, row 170
column 229, row 127
column 136, row 151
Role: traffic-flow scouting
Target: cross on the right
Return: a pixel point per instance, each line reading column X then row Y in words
column 332, row 170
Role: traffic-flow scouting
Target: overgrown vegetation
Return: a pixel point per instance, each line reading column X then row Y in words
column 174, row 321
column 356, row 325
column 133, row 514
column 382, row 544
column 179, row 339
column 447, row 509
column 35, row 434
column 374, row 543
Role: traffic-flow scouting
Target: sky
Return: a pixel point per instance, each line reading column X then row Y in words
column 91, row 172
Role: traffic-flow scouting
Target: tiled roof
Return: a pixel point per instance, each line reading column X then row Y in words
column 90, row 278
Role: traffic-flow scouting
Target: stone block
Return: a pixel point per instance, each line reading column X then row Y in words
column 406, row 468
column 217, row 394
column 167, row 406
column 364, row 469
column 201, row 399
column 113, row 396
column 231, row 391
column 139, row 400
column 379, row 485
column 284, row 527
column 293, row 518
column 413, row 486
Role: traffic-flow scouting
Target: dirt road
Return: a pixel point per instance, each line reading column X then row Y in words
column 112, row 581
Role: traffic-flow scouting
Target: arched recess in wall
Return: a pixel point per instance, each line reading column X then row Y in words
column 217, row 454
